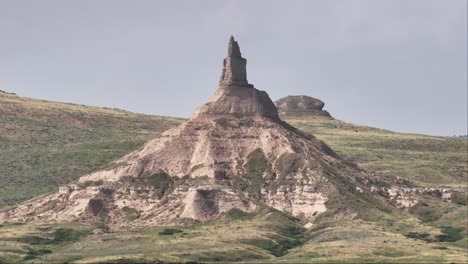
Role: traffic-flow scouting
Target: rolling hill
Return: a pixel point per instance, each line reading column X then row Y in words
column 46, row 144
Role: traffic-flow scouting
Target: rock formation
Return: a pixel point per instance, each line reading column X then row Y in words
column 234, row 67
column 301, row 105
column 235, row 97
column 234, row 153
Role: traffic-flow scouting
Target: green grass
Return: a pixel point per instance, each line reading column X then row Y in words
column 256, row 166
column 268, row 237
column 46, row 144
column 239, row 215
column 31, row 242
column 425, row 160
column 170, row 231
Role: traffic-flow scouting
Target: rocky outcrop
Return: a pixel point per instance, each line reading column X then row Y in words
column 300, row 105
column 408, row 197
column 234, row 67
column 234, row 153
column 235, row 97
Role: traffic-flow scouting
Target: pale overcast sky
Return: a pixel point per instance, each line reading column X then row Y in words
column 396, row 64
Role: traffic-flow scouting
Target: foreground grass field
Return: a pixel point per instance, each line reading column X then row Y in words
column 269, row 237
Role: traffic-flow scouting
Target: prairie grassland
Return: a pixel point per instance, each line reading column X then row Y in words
column 265, row 238
column 46, row 144
column 425, row 160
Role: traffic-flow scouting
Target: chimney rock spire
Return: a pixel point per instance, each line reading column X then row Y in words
column 234, row 67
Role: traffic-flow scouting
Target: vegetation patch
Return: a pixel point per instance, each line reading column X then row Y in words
column 114, row 165
column 450, row 234
column 58, row 236
column 131, row 213
column 45, row 145
column 289, row 234
column 170, row 232
column 224, row 123
column 132, row 261
column 34, row 240
column 277, row 246
column 428, row 209
column 421, row 236
column 256, row 167
column 460, row 198
column 90, row 183
column 33, row 253
column 64, row 235
column 389, row 252
column 222, row 256
column 313, row 255
column 161, row 182
column 246, row 122
column 288, row 163
column 237, row 214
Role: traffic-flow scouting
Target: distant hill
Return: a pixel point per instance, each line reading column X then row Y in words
column 425, row 160
column 46, row 144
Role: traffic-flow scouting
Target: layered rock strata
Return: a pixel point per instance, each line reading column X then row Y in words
column 234, row 153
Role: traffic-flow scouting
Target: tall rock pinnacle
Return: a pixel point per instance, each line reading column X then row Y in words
column 234, row 67
column 234, row 153
column 235, row 97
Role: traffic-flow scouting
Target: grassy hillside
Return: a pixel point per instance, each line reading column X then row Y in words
column 45, row 144
column 425, row 160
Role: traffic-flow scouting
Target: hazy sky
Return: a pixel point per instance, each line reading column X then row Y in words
column 396, row 64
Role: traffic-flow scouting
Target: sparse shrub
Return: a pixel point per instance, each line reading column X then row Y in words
column 440, row 247
column 450, row 234
column 237, row 214
column 419, row 236
column 247, row 122
column 34, row 240
column 389, row 252
column 288, row 163
column 58, row 236
column 131, row 213
column 459, row 198
column 162, row 182
column 113, row 165
column 66, row 235
column 277, row 246
column 426, row 212
column 256, row 166
column 89, row 183
column 223, row 122
column 32, row 253
column 170, row 232
column 291, row 231
column 313, row 255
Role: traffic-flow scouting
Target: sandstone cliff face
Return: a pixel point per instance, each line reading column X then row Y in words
column 234, row 153
column 199, row 170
